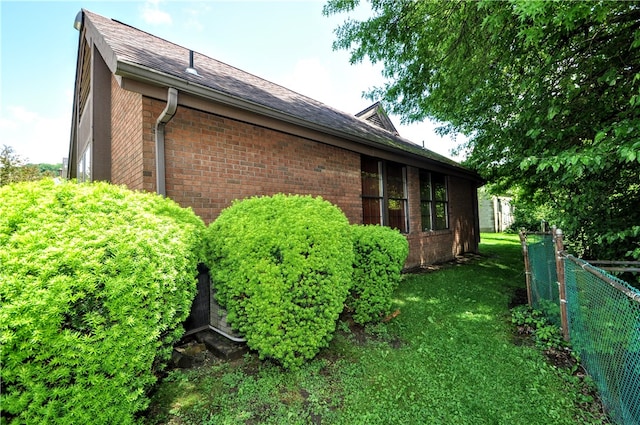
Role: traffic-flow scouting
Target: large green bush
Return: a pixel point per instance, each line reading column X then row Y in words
column 95, row 281
column 380, row 254
column 281, row 266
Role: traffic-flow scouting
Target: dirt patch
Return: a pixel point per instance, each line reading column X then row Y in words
column 519, row 297
column 459, row 260
column 560, row 357
column 361, row 335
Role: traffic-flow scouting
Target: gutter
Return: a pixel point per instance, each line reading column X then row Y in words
column 163, row 119
column 140, row 73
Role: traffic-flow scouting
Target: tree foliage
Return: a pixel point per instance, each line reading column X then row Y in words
column 14, row 169
column 548, row 93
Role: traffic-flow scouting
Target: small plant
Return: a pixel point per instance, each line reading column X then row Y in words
column 532, row 321
column 380, row 254
column 282, row 266
column 379, row 330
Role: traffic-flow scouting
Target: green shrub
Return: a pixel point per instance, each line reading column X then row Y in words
column 380, row 254
column 545, row 333
column 95, row 281
column 281, row 266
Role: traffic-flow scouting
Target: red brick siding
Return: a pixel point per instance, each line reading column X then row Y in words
column 126, row 133
column 151, row 110
column 211, row 160
column 462, row 203
column 442, row 245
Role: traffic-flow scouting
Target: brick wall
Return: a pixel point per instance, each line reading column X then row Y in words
column 442, row 245
column 463, row 201
column 151, row 110
column 211, row 160
column 126, row 132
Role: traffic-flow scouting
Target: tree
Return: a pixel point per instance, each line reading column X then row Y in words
column 548, row 93
column 52, row 170
column 13, row 168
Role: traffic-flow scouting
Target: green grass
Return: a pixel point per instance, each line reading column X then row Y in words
column 447, row 358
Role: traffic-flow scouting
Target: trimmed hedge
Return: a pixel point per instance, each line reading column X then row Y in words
column 95, row 281
column 380, row 254
column 281, row 266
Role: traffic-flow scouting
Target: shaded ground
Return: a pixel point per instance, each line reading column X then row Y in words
column 434, row 362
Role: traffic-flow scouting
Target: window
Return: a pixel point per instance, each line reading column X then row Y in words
column 384, row 194
column 372, row 199
column 84, row 165
column 434, row 201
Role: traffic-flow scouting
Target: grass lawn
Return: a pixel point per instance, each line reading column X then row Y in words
column 449, row 357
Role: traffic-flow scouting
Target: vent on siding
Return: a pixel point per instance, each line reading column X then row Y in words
column 376, row 115
column 375, row 119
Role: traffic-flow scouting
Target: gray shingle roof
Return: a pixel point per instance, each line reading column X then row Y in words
column 140, row 49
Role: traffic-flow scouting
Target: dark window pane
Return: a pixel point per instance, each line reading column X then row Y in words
column 433, row 201
column 439, row 187
column 425, row 211
column 370, row 177
column 425, row 186
column 397, row 214
column 441, row 216
column 395, row 181
column 371, row 211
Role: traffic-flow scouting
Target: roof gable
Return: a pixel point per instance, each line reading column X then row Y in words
column 136, row 54
column 376, row 115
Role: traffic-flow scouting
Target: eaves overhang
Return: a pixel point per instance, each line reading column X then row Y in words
column 151, row 76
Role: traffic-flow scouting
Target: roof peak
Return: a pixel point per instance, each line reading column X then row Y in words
column 377, row 115
column 137, row 54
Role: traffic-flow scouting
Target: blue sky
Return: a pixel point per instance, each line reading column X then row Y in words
column 286, row 42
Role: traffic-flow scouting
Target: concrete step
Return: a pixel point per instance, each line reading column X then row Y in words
column 220, row 346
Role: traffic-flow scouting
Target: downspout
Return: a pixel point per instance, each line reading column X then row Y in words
column 163, row 119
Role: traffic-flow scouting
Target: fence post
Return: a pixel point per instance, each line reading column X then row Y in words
column 559, row 249
column 527, row 266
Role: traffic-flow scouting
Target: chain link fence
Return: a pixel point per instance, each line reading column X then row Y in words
column 545, row 294
column 599, row 314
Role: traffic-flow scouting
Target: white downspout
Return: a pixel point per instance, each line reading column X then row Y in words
column 163, row 119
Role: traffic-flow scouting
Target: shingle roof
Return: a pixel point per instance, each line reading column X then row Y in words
column 140, row 49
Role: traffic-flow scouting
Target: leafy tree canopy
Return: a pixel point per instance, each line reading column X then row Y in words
column 548, row 93
column 13, row 168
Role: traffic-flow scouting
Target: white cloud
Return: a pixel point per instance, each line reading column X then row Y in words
column 152, row 14
column 36, row 138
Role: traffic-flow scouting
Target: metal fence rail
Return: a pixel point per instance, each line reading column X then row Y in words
column 600, row 314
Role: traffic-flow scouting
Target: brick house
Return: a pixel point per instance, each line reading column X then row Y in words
column 156, row 116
